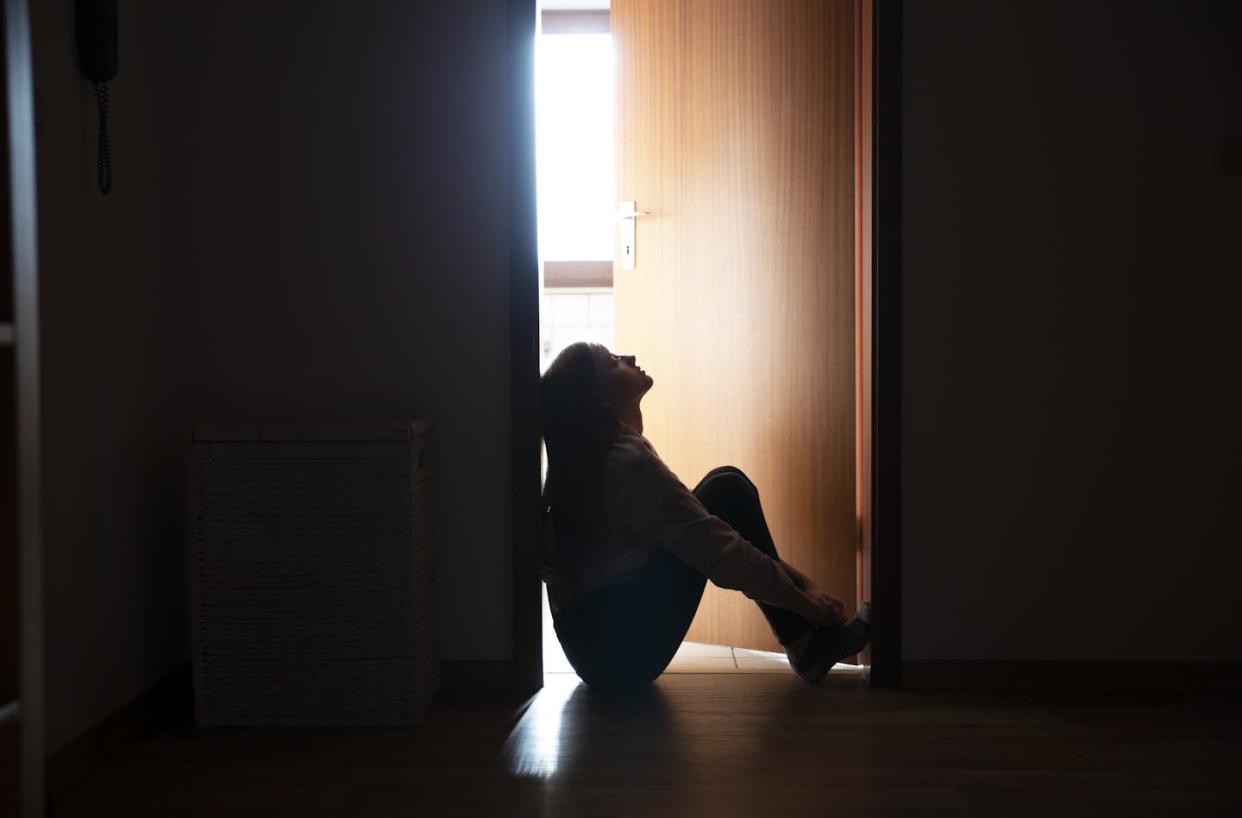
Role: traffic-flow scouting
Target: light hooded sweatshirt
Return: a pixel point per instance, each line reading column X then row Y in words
column 647, row 507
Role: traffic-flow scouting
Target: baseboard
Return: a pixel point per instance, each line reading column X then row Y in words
column 1201, row 677
column 169, row 699
column 477, row 679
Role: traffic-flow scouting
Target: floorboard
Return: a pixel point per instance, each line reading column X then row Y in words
column 704, row 744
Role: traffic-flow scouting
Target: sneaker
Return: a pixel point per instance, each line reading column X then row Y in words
column 827, row 646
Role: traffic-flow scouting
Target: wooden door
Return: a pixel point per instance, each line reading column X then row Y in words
column 735, row 131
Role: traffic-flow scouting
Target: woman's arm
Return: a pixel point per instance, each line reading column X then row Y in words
column 652, row 502
column 808, row 587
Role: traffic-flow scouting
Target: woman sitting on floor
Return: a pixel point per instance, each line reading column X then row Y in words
column 627, row 549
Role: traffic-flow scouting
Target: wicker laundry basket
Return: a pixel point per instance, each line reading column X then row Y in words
column 313, row 574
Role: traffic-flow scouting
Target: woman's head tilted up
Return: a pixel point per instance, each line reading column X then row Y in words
column 587, row 392
column 585, row 397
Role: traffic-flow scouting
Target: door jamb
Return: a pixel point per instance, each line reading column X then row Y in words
column 885, row 509
column 526, row 670
column 886, row 350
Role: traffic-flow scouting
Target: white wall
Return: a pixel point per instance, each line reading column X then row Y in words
column 309, row 216
column 1071, row 301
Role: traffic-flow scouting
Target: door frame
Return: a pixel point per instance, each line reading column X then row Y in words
column 885, row 360
column 885, row 507
column 20, row 156
column 526, row 670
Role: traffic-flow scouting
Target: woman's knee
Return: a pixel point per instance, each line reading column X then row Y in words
column 727, row 485
column 722, row 470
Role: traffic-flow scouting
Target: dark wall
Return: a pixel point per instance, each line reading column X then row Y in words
column 1072, row 268
column 309, row 217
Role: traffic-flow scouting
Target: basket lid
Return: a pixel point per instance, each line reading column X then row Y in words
column 313, row 430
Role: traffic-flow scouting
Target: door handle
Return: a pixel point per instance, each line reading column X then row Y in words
column 626, row 215
column 628, row 211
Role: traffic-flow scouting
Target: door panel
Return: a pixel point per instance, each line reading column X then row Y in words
column 736, row 132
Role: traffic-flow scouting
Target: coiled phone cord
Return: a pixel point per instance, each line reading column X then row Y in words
column 103, row 152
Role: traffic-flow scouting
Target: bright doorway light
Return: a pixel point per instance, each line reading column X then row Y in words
column 574, row 150
column 574, row 146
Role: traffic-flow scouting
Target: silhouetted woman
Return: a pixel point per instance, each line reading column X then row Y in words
column 627, row 549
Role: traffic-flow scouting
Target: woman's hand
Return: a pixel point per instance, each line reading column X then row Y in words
column 825, row 610
column 816, row 605
column 822, row 611
column 834, row 610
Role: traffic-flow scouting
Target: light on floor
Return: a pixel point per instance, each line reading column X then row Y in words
column 533, row 748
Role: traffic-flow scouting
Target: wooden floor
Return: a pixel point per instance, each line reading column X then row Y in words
column 704, row 744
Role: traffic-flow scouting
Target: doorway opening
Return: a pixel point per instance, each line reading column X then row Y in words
column 581, row 235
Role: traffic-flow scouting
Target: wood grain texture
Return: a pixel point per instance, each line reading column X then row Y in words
column 863, row 77
column 736, row 131
column 704, row 745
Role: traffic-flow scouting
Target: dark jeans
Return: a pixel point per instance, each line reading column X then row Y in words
column 624, row 635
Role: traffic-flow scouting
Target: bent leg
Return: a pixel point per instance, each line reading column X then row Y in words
column 729, row 494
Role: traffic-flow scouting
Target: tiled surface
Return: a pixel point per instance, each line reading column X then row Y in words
column 574, row 314
column 696, row 657
column 701, row 650
column 758, row 661
column 702, row 664
column 691, row 657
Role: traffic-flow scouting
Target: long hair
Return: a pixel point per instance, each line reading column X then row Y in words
column 578, row 431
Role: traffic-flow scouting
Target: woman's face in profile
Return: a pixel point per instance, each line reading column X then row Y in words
column 621, row 380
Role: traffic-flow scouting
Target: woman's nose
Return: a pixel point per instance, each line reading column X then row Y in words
column 630, row 358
